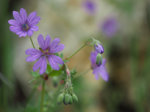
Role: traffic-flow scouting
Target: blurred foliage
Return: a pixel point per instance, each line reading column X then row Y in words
column 123, row 5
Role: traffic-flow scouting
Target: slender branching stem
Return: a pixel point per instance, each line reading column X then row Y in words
column 85, row 44
column 32, row 42
column 42, row 96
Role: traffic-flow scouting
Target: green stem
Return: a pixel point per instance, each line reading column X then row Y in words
column 76, row 51
column 86, row 43
column 32, row 42
column 42, row 96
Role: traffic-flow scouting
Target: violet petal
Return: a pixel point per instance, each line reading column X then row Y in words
column 53, row 64
column 23, row 15
column 56, row 49
column 43, row 65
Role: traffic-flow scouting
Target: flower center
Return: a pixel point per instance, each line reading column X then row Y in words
column 45, row 52
column 25, row 27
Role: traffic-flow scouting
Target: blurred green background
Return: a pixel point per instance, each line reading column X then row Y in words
column 127, row 50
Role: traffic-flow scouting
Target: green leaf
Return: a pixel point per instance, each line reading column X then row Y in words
column 65, row 61
column 73, row 72
column 56, row 54
column 35, row 74
column 61, row 55
column 31, row 109
column 55, row 73
column 49, row 69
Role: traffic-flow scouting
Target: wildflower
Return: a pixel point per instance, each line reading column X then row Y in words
column 22, row 25
column 99, row 48
column 90, row 6
column 98, row 68
column 45, row 53
column 110, row 27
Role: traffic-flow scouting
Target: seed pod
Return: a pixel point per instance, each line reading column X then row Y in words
column 75, row 98
column 60, row 98
column 67, row 99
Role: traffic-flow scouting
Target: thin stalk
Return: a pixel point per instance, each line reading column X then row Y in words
column 85, row 44
column 32, row 42
column 76, row 51
column 42, row 96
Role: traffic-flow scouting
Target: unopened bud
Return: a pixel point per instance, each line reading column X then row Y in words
column 68, row 71
column 67, row 99
column 55, row 81
column 71, row 100
column 45, row 76
column 75, row 98
column 60, row 98
column 99, row 59
column 99, row 48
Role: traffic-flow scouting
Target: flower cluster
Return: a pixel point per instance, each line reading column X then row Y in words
column 47, row 57
column 67, row 96
column 23, row 26
column 97, row 62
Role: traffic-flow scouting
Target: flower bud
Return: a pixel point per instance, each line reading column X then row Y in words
column 68, row 71
column 75, row 98
column 71, row 100
column 99, row 48
column 99, row 59
column 55, row 81
column 45, row 76
column 67, row 99
column 60, row 98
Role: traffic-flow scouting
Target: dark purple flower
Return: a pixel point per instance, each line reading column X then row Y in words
column 110, row 27
column 45, row 53
column 23, row 25
column 99, row 48
column 98, row 69
column 90, row 6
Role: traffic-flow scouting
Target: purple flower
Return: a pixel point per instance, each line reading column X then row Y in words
column 99, row 48
column 23, row 25
column 90, row 6
column 98, row 69
column 45, row 53
column 110, row 27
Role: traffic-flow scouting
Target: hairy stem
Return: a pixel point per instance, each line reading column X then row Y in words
column 32, row 42
column 42, row 96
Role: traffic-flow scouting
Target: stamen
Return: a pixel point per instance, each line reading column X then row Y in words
column 25, row 27
column 45, row 52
